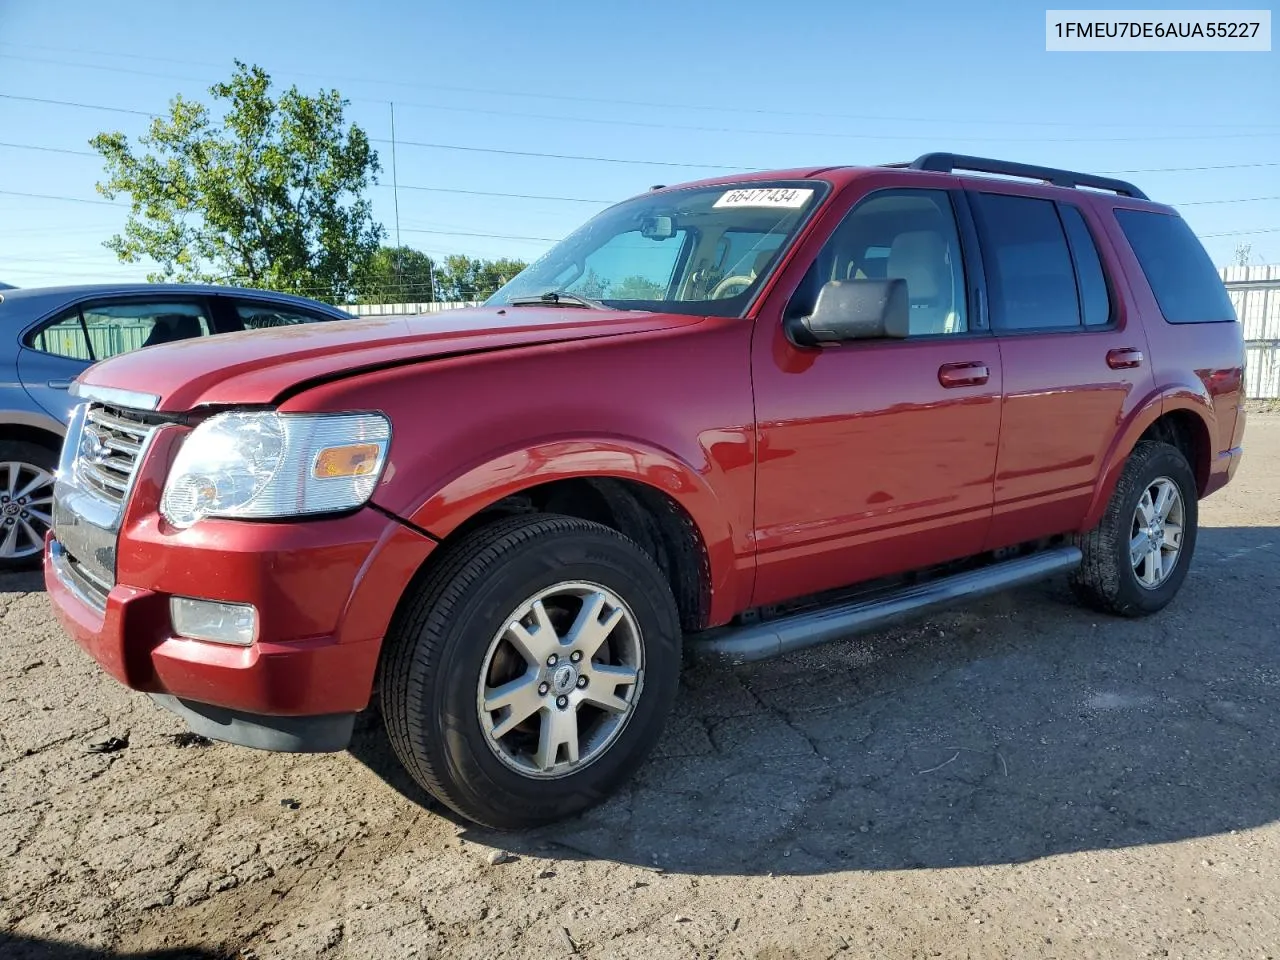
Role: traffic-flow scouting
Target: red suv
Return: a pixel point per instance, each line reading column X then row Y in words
column 732, row 418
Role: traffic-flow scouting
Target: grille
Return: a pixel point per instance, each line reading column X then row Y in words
column 73, row 573
column 110, row 446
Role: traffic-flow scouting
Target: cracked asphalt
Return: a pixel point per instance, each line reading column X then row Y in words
column 1015, row 778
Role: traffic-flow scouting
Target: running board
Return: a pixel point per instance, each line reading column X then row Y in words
column 785, row 634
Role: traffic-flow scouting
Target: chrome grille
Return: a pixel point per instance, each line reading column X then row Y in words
column 110, row 446
column 76, row 575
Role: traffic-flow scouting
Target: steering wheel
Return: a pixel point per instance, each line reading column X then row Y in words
column 723, row 288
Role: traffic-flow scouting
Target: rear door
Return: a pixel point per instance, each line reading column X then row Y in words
column 1075, row 362
column 56, row 351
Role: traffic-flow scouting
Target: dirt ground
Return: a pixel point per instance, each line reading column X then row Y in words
column 1018, row 778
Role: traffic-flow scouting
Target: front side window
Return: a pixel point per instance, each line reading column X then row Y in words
column 1030, row 280
column 697, row 251
column 1182, row 277
column 898, row 234
column 116, row 328
column 64, row 337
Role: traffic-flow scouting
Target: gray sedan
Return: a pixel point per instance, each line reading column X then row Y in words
column 54, row 333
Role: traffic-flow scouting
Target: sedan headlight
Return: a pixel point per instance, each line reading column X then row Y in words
column 259, row 465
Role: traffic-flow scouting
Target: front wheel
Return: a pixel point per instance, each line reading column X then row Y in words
column 1137, row 557
column 532, row 670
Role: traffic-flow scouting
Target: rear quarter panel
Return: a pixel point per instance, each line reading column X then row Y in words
column 1197, row 368
column 671, row 409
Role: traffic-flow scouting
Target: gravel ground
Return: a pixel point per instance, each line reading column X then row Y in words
column 1018, row 778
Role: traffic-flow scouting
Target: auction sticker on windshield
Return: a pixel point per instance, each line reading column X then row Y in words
column 789, row 198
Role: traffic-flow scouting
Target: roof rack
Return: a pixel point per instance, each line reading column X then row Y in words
column 951, row 162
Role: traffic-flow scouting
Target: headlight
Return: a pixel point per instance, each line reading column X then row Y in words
column 263, row 465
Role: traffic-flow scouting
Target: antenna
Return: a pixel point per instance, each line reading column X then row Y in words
column 395, row 191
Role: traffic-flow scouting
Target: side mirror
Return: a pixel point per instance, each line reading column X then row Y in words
column 855, row 310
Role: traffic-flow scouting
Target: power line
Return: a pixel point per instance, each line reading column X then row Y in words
column 667, row 125
column 564, row 156
column 1240, row 233
column 541, row 196
column 52, row 196
column 522, row 196
column 823, row 134
column 1223, row 166
column 75, row 103
column 32, row 146
column 407, row 143
column 1202, row 203
column 487, row 236
column 509, row 196
column 525, row 94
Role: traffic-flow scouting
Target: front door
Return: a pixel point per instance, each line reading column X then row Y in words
column 877, row 456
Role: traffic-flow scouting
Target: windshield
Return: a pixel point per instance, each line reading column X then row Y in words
column 702, row 251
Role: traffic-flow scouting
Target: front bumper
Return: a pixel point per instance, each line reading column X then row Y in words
column 324, row 589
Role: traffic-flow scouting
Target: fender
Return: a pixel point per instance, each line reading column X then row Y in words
column 513, row 471
column 1183, row 396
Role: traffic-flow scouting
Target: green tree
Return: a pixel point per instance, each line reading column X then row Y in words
column 460, row 277
column 268, row 193
column 638, row 288
column 396, row 275
column 591, row 285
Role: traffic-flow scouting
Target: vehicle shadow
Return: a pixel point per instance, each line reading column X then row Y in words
column 1012, row 729
column 28, row 581
column 29, row 948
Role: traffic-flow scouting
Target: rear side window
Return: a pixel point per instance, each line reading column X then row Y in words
column 1187, row 287
column 1030, row 280
column 260, row 316
column 1094, row 298
column 64, row 337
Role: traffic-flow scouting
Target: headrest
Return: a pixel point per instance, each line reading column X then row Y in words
column 919, row 257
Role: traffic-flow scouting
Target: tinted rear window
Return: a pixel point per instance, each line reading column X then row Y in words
column 1187, row 287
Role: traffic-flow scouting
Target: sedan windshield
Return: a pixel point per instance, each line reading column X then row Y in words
column 700, row 251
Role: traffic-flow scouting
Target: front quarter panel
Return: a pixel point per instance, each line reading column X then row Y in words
column 670, row 409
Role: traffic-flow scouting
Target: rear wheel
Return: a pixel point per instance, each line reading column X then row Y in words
column 26, row 502
column 531, row 672
column 1137, row 557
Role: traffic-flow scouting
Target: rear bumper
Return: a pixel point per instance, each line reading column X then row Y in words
column 325, row 591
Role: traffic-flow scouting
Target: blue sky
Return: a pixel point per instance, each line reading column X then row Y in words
column 743, row 84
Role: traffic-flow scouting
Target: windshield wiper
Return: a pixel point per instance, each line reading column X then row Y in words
column 557, row 298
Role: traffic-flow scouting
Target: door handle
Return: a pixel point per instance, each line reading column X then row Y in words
column 970, row 374
column 1122, row 358
column 60, row 384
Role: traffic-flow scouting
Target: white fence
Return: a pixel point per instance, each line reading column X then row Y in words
column 1255, row 293
column 403, row 309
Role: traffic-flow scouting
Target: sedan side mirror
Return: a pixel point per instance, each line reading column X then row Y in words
column 855, row 310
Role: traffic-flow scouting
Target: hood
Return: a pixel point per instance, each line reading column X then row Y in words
column 258, row 366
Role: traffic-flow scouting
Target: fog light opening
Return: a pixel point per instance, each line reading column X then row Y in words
column 214, row 621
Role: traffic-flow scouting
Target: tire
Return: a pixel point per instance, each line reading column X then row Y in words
column 451, row 646
column 1108, row 578
column 23, row 525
